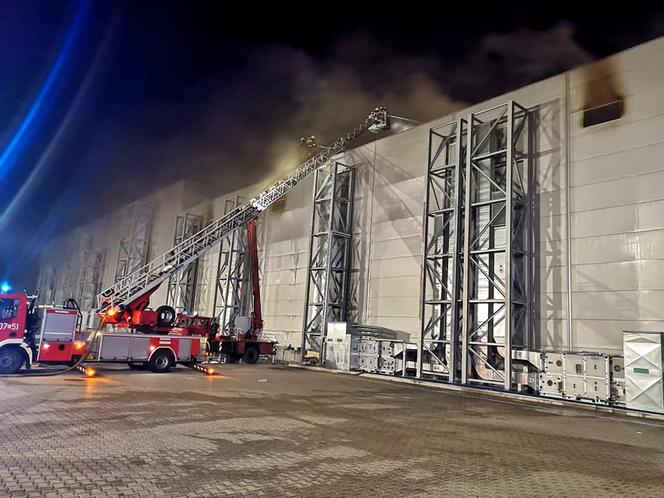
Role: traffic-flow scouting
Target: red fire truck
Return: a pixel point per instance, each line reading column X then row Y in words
column 55, row 339
column 17, row 336
column 158, row 339
column 246, row 345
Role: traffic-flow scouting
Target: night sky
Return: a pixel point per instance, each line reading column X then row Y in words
column 103, row 101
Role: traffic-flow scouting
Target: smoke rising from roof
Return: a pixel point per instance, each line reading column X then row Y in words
column 241, row 125
column 237, row 128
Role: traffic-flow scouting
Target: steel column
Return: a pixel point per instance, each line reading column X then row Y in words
column 90, row 275
column 497, row 245
column 231, row 298
column 442, row 239
column 134, row 238
column 47, row 284
column 328, row 277
column 182, row 285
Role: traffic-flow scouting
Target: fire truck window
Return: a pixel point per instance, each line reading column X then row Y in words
column 8, row 309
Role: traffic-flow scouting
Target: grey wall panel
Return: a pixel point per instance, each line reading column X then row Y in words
column 629, row 75
column 632, row 246
column 552, row 306
column 394, row 267
column 636, row 59
column 553, row 279
column 287, row 252
column 625, row 275
column 401, row 200
column 400, row 247
column 396, row 230
column 616, row 220
column 616, row 136
column 553, row 332
column 280, row 292
column 400, row 323
column 622, row 164
column 401, row 306
column 399, row 228
column 552, row 228
column 619, row 305
column 551, row 203
column 551, row 253
column 619, row 192
column 406, row 286
column 606, row 335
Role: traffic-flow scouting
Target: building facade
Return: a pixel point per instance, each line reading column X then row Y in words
column 596, row 191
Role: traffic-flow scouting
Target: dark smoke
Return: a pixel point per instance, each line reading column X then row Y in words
column 229, row 130
column 502, row 62
column 235, row 129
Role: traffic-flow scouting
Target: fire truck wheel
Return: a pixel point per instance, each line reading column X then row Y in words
column 250, row 355
column 11, row 360
column 165, row 316
column 161, row 361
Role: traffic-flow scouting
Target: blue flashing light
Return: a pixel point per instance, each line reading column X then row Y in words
column 45, row 94
column 5, row 287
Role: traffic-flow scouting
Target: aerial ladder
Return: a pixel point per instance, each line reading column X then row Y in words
column 55, row 338
column 128, row 299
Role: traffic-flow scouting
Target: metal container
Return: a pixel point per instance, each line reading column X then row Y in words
column 598, row 389
column 386, row 365
column 597, row 366
column 574, row 386
column 550, row 384
column 617, row 365
column 386, row 348
column 574, row 364
column 618, row 390
column 644, row 378
column 553, row 363
column 368, row 363
column 369, row 346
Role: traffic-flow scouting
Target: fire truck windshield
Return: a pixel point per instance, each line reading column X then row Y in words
column 8, row 308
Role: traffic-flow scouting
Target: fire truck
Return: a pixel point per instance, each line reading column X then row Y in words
column 130, row 331
column 52, row 336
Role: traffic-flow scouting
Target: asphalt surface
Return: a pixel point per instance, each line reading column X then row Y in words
column 262, row 430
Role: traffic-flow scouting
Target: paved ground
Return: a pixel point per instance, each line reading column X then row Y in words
column 273, row 431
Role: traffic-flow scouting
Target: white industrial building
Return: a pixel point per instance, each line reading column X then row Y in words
column 586, row 211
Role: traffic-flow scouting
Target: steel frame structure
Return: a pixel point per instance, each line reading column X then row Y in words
column 182, row 284
column 232, row 288
column 330, row 254
column 497, row 246
column 443, row 253
column 477, row 287
column 68, row 286
column 134, row 238
column 47, row 285
column 90, row 275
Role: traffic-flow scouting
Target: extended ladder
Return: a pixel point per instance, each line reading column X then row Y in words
column 148, row 277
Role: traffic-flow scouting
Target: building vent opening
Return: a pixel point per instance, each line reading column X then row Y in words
column 602, row 95
column 603, row 113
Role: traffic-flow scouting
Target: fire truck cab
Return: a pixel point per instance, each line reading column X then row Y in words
column 16, row 349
